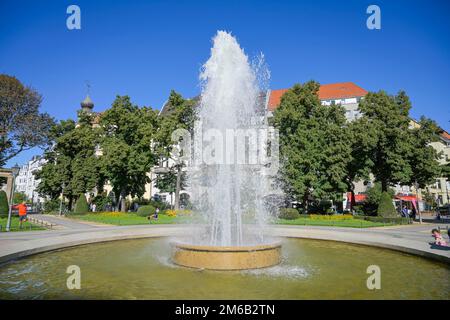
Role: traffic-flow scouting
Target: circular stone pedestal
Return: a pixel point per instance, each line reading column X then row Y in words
column 226, row 258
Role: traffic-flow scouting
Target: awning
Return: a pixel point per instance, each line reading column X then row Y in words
column 406, row 198
column 358, row 197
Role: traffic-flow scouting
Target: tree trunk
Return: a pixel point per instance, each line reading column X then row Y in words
column 351, row 189
column 384, row 186
column 70, row 203
column 177, row 189
column 305, row 202
column 123, row 207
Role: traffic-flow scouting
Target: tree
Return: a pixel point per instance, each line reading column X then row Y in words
column 127, row 153
column 362, row 138
column 424, row 158
column 81, row 206
column 72, row 163
column 4, row 207
column 445, row 170
column 373, row 199
column 20, row 197
column 22, row 126
column 389, row 118
column 401, row 154
column 314, row 145
column 385, row 207
column 180, row 115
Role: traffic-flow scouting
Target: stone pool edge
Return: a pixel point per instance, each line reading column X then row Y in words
column 20, row 246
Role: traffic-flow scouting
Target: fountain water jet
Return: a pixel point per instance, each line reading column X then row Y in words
column 230, row 182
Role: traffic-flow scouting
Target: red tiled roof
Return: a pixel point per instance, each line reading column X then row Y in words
column 327, row 91
column 445, row 135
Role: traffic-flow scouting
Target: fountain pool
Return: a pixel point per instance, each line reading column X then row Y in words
column 142, row 269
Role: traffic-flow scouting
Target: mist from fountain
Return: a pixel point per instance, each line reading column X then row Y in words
column 229, row 186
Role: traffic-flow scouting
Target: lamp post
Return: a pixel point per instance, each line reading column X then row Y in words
column 62, row 197
column 15, row 171
column 417, row 198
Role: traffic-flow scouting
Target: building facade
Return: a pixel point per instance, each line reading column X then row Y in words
column 26, row 182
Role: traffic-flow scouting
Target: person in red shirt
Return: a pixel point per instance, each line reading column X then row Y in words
column 22, row 212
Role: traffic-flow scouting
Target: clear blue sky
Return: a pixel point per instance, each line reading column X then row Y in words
column 146, row 48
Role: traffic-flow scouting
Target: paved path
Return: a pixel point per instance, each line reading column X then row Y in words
column 414, row 239
column 67, row 223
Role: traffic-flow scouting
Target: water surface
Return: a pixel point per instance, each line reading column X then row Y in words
column 141, row 269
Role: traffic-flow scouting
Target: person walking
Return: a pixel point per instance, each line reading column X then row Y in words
column 22, row 207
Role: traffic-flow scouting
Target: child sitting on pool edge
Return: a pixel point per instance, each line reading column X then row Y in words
column 438, row 239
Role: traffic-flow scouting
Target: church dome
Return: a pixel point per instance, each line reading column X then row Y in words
column 87, row 103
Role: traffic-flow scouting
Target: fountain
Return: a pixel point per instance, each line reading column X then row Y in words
column 229, row 178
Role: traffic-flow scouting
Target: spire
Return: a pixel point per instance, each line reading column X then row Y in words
column 87, row 104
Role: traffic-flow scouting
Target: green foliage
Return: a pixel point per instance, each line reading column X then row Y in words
column 314, row 147
column 4, row 208
column 370, row 205
column 52, row 206
column 386, row 208
column 321, row 206
column 424, row 158
column 81, row 206
column 22, row 127
column 128, row 132
column 19, row 197
column 101, row 201
column 288, row 214
column 386, row 220
column 145, row 211
column 445, row 171
column 400, row 154
column 72, row 162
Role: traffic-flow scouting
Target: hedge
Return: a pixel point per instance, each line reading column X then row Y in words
column 387, row 220
column 385, row 208
column 288, row 214
column 81, row 206
column 3, row 204
column 145, row 211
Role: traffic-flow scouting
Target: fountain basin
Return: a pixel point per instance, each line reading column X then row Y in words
column 226, row 258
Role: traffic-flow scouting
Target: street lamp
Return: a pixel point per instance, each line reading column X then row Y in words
column 62, row 198
column 14, row 171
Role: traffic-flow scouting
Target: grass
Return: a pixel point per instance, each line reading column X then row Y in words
column 125, row 219
column 351, row 223
column 26, row 226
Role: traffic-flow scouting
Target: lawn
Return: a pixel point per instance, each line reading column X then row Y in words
column 26, row 226
column 125, row 219
column 351, row 223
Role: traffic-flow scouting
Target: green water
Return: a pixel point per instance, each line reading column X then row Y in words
column 141, row 269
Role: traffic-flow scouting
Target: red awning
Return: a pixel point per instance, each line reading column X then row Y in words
column 406, row 198
column 358, row 197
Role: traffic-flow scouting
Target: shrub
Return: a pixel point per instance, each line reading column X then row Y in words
column 145, row 211
column 52, row 206
column 81, row 206
column 101, row 202
column 288, row 214
column 334, row 217
column 171, row 213
column 385, row 207
column 3, row 204
column 397, row 220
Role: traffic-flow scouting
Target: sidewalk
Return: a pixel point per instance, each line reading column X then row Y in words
column 66, row 223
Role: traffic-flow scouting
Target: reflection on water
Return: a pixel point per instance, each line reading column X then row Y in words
column 141, row 269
